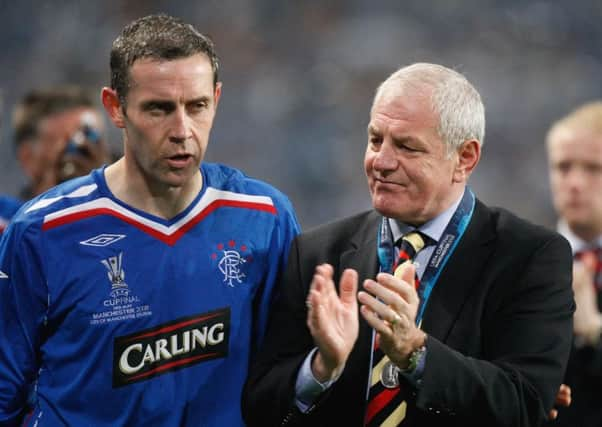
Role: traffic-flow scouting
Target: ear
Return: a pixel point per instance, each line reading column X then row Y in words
column 218, row 93
column 468, row 154
column 112, row 105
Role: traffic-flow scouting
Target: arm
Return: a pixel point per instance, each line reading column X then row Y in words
column 23, row 299
column 286, row 228
column 270, row 387
column 300, row 322
column 525, row 339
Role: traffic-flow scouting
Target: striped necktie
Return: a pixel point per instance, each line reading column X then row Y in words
column 386, row 406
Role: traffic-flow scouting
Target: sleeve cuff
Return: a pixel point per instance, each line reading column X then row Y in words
column 307, row 387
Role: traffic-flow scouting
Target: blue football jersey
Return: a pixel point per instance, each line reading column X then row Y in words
column 8, row 208
column 121, row 318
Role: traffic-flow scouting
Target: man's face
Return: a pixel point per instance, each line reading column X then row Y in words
column 410, row 176
column 575, row 161
column 54, row 132
column 168, row 118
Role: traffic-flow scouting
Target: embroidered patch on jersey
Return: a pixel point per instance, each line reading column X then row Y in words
column 121, row 304
column 102, row 240
column 171, row 346
column 231, row 260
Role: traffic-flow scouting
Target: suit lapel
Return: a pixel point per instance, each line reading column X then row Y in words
column 460, row 274
column 361, row 254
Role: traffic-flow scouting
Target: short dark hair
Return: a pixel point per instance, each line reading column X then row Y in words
column 38, row 104
column 160, row 37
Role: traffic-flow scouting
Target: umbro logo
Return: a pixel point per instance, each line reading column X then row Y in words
column 3, row 275
column 103, row 240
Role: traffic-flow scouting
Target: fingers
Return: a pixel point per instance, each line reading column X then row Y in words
column 589, row 261
column 348, row 288
column 406, row 272
column 563, row 398
column 393, row 291
column 379, row 307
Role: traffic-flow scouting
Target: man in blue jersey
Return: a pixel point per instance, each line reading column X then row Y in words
column 138, row 294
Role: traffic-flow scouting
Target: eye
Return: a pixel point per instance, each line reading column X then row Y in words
column 198, row 107
column 375, row 140
column 156, row 112
column 407, row 147
column 593, row 168
column 563, row 167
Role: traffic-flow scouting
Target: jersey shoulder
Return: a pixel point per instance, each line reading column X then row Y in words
column 227, row 178
column 63, row 196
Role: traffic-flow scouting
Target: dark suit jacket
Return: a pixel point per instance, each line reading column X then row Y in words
column 584, row 376
column 499, row 325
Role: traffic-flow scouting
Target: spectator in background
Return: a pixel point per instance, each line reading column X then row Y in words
column 58, row 135
column 574, row 147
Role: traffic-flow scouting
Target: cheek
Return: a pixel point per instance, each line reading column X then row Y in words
column 368, row 161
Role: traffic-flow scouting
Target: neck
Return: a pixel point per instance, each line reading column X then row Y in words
column 162, row 201
column 585, row 233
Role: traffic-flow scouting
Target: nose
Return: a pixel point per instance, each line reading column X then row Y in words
column 576, row 178
column 180, row 129
column 385, row 159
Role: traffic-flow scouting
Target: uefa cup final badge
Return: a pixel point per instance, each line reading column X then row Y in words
column 122, row 304
column 116, row 276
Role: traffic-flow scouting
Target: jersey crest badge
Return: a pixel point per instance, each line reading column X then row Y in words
column 232, row 260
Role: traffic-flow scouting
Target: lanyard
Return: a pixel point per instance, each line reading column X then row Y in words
column 445, row 247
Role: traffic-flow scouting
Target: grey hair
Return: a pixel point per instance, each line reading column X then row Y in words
column 456, row 102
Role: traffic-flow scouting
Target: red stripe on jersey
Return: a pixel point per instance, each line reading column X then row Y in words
column 169, row 239
column 171, row 365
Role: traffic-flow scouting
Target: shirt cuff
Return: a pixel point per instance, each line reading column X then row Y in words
column 307, row 387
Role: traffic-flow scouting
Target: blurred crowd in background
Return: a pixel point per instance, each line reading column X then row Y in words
column 299, row 79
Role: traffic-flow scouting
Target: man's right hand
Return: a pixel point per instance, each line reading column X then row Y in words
column 332, row 320
column 587, row 321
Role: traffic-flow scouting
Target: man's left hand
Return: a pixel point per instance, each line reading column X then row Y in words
column 390, row 305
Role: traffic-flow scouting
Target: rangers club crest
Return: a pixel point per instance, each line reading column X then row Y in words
column 232, row 260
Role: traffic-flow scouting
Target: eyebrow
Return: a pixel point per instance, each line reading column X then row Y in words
column 155, row 103
column 372, row 129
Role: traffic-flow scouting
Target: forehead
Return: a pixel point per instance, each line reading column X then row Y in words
column 191, row 76
column 70, row 120
column 570, row 144
column 399, row 110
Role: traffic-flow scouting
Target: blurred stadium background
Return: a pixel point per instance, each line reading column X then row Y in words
column 299, row 78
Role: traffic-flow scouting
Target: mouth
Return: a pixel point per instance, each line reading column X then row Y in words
column 179, row 160
column 387, row 183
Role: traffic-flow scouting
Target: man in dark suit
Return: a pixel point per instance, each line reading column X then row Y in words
column 574, row 145
column 483, row 334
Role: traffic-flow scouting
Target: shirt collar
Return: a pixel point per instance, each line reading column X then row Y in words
column 433, row 229
column 576, row 242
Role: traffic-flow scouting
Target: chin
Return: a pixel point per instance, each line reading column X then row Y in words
column 386, row 209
